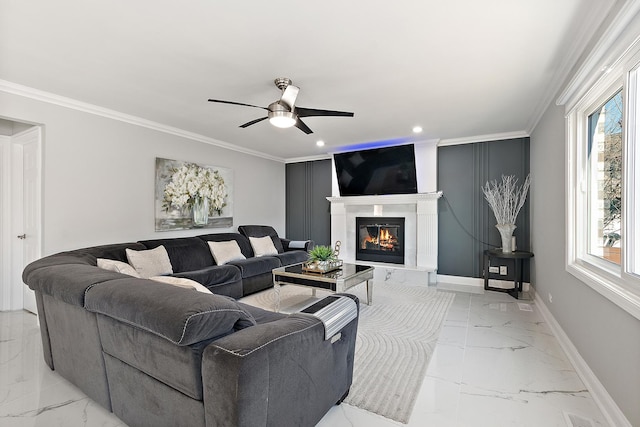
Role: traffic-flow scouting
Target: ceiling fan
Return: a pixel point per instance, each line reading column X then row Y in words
column 283, row 113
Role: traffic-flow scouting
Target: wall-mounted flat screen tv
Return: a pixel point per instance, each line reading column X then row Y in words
column 387, row 170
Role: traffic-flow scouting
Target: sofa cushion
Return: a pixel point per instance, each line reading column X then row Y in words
column 292, row 257
column 223, row 252
column 263, row 246
column 86, row 256
column 181, row 282
column 114, row 251
column 261, row 315
column 185, row 253
column 119, row 266
column 179, row 315
column 151, row 262
column 243, row 242
column 261, row 231
column 255, row 266
column 212, row 275
column 69, row 282
column 178, row 366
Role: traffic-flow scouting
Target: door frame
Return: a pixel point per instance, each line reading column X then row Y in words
column 5, row 224
column 14, row 295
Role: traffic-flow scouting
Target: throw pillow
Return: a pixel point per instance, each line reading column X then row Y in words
column 152, row 262
column 181, row 282
column 119, row 266
column 263, row 246
column 223, row 252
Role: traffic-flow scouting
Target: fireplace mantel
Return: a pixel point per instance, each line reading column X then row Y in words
column 421, row 225
column 387, row 199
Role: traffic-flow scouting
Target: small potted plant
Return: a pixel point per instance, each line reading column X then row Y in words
column 322, row 259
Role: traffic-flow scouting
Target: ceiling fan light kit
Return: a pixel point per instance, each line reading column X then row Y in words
column 280, row 114
column 283, row 113
column 282, row 119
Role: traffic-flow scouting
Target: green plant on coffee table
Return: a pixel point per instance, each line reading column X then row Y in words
column 321, row 253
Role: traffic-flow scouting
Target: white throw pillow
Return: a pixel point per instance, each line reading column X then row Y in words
column 181, row 282
column 153, row 262
column 263, row 246
column 119, row 266
column 223, row 252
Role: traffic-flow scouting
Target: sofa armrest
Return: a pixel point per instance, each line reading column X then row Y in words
column 278, row 373
column 297, row 245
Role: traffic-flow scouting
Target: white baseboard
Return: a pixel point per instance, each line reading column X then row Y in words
column 612, row 413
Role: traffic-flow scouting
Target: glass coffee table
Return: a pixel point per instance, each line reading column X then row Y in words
column 340, row 280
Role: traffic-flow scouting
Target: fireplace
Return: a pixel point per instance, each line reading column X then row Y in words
column 380, row 239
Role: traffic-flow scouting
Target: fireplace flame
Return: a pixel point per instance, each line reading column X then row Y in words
column 385, row 240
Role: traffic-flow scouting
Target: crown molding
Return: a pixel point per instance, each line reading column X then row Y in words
column 484, row 138
column 308, row 158
column 51, row 98
column 587, row 24
column 607, row 51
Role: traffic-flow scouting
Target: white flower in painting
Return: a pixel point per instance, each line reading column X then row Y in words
column 191, row 182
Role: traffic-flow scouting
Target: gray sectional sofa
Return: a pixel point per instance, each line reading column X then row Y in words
column 156, row 354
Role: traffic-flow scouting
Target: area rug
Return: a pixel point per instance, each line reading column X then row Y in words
column 396, row 338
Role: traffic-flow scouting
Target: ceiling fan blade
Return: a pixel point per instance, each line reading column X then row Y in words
column 310, row 112
column 235, row 103
column 289, row 96
column 302, row 126
column 253, row 122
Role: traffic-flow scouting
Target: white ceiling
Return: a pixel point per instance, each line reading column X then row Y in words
column 458, row 68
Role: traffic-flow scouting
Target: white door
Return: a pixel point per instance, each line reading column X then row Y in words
column 27, row 207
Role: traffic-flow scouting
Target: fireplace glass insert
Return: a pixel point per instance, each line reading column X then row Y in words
column 380, row 239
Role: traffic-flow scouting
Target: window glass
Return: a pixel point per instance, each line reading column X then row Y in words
column 604, row 193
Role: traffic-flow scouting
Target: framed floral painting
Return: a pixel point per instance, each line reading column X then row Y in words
column 190, row 195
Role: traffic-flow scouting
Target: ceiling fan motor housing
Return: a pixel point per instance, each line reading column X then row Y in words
column 280, row 115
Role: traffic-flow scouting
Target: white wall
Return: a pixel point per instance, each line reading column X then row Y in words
column 427, row 166
column 607, row 337
column 99, row 177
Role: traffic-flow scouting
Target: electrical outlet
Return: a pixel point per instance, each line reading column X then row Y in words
column 550, row 298
column 503, row 270
column 494, row 270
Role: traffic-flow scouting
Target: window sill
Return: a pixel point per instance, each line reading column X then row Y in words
column 611, row 288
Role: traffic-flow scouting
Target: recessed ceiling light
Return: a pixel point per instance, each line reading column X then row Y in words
column 320, row 143
column 417, row 129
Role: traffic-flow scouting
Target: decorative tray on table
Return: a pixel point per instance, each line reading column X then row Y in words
column 322, row 267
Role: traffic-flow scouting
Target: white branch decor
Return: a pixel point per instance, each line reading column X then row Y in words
column 505, row 198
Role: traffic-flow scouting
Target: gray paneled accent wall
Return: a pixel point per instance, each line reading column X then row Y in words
column 308, row 212
column 462, row 171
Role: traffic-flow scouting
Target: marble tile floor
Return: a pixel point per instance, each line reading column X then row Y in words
column 496, row 364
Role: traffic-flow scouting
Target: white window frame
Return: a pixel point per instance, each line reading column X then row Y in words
column 615, row 282
column 631, row 168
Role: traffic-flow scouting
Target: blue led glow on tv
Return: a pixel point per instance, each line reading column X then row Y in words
column 377, row 171
column 377, row 144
